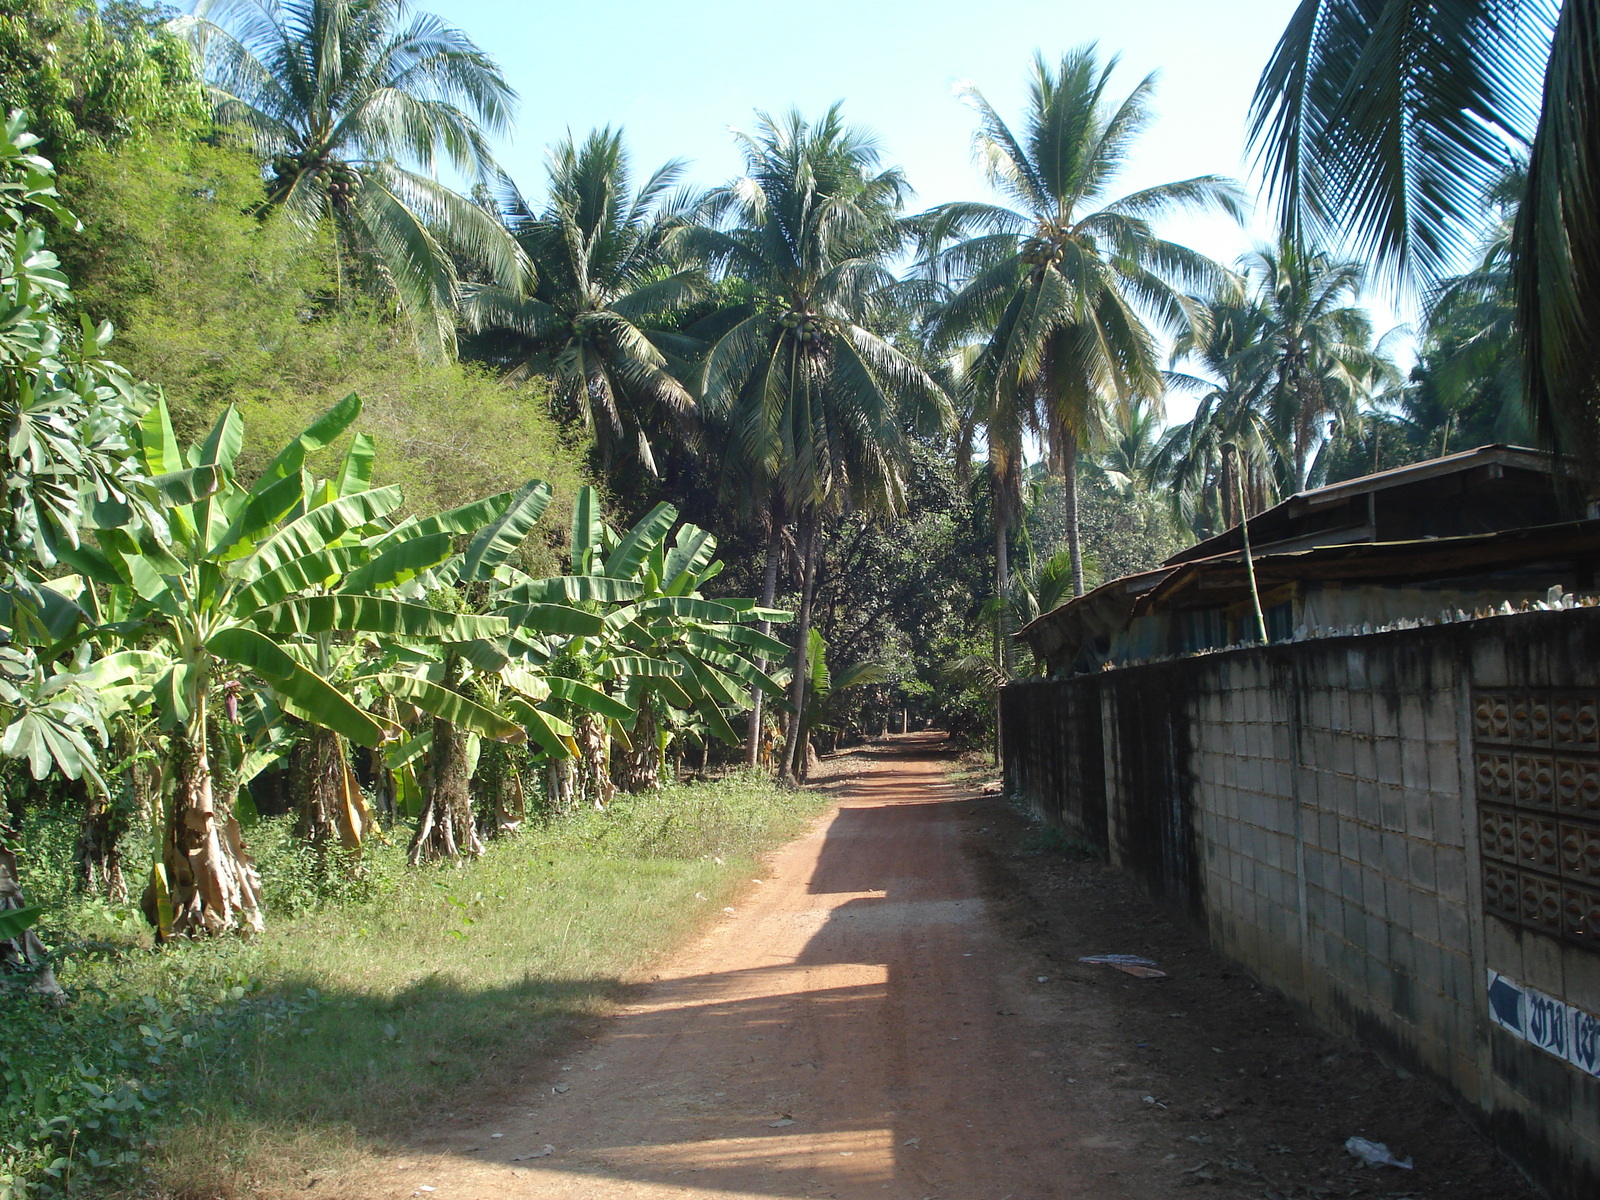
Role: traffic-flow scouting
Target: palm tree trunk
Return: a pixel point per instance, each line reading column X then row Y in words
column 1230, row 509
column 1002, row 615
column 213, row 883
column 1069, row 498
column 793, row 750
column 769, row 594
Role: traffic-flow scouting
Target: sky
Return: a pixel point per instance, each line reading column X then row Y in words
column 678, row 77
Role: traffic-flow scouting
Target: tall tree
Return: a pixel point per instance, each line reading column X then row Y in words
column 1315, row 356
column 1227, row 450
column 1064, row 290
column 94, row 74
column 353, row 106
column 813, row 403
column 1384, row 122
column 602, row 291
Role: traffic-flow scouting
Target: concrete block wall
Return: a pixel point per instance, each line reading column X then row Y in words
column 1314, row 807
column 1060, row 768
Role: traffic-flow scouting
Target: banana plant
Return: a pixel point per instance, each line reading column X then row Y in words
column 251, row 577
column 652, row 641
column 825, row 712
column 482, row 686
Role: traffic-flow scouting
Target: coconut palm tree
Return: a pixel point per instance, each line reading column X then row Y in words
column 603, row 287
column 1383, row 124
column 1315, row 358
column 1125, row 457
column 813, row 405
column 1065, row 290
column 354, row 104
column 1227, row 450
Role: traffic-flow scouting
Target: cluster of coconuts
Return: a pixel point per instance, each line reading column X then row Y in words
column 805, row 322
column 343, row 182
column 1041, row 252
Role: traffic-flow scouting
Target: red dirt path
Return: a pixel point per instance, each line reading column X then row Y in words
column 870, row 1023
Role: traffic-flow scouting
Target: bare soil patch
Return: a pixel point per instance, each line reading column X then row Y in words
column 1250, row 1100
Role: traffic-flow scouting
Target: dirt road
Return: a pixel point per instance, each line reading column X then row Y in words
column 869, row 1021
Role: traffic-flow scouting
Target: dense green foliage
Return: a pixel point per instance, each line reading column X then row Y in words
column 222, row 307
column 91, row 75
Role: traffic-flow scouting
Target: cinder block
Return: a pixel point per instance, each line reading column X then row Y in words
column 1387, row 752
column 1489, row 663
column 1396, row 863
column 1420, row 864
column 1317, row 710
column 1453, row 930
column 1355, row 665
column 1413, row 718
column 1542, row 965
column 1345, row 792
column 1444, row 767
column 1580, row 973
column 1344, row 755
column 1349, row 839
column 1425, row 915
column 1328, row 835
column 1502, row 947
column 1461, row 983
column 1350, row 877
column 1371, row 847
column 1339, row 711
column 1447, row 822
column 1360, row 712
column 1451, row 865
column 1283, row 747
column 1365, row 756
column 1402, row 949
column 1419, row 814
column 1353, row 922
column 1392, row 802
column 1374, row 898
column 1443, row 714
column 1414, row 762
column 1428, row 962
column 1277, row 846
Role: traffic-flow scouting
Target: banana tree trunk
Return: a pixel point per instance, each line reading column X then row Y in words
column 332, row 808
column 639, row 769
column 794, row 748
column 24, row 953
column 106, row 819
column 592, row 767
column 445, row 830
column 769, row 594
column 1069, row 496
column 212, row 882
column 500, row 796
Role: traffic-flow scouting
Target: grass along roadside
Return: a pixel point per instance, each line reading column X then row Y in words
column 308, row 1047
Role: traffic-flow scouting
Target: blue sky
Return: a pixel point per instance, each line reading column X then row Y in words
column 678, row 76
